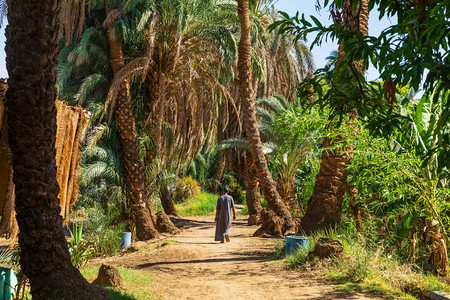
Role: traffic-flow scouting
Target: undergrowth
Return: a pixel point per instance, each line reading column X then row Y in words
column 364, row 268
column 244, row 211
column 199, row 205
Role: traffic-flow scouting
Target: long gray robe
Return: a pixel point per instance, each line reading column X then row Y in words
column 223, row 224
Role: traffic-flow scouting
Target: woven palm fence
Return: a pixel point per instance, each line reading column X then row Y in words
column 72, row 127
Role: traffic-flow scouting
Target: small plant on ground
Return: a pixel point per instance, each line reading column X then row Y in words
column 80, row 249
column 366, row 267
column 280, row 249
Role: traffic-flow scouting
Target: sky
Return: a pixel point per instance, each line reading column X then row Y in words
column 307, row 7
column 291, row 7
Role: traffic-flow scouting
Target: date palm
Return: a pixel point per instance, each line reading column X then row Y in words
column 32, row 55
column 251, row 125
column 285, row 148
column 325, row 205
column 279, row 63
column 184, row 67
column 107, row 47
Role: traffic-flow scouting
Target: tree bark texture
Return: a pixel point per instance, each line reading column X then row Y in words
column 134, row 168
column 167, row 202
column 325, row 205
column 354, row 207
column 250, row 122
column 252, row 195
column 32, row 57
column 220, row 167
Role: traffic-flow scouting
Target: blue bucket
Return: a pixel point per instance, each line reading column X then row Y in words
column 8, row 283
column 125, row 240
column 293, row 242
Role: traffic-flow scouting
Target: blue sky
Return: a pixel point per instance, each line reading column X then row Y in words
column 291, row 7
column 320, row 53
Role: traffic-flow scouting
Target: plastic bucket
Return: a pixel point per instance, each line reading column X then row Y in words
column 8, row 283
column 293, row 242
column 125, row 240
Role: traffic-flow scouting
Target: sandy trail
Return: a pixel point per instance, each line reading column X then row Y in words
column 192, row 266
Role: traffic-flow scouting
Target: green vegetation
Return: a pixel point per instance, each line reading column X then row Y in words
column 185, row 188
column 367, row 158
column 200, row 205
column 137, row 284
column 80, row 249
column 101, row 229
column 244, row 211
column 364, row 267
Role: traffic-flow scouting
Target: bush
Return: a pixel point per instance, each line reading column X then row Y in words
column 80, row 249
column 101, row 231
column 366, row 267
column 186, row 187
column 236, row 190
column 200, row 205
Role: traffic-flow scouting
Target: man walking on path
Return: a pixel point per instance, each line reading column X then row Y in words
column 223, row 216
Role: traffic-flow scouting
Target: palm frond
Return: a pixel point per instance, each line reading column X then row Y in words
column 234, row 143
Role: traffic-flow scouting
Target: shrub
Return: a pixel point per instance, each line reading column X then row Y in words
column 236, row 189
column 101, row 231
column 80, row 249
column 186, row 187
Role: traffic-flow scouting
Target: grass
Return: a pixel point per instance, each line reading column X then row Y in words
column 364, row 270
column 244, row 211
column 200, row 205
column 137, row 284
column 167, row 242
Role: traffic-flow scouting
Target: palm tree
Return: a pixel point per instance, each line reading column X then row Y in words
column 251, row 125
column 32, row 55
column 185, row 62
column 325, row 205
column 133, row 166
column 99, row 56
column 279, row 63
column 286, row 149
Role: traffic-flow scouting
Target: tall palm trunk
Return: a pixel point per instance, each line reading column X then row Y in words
column 325, row 205
column 219, row 172
column 250, row 123
column 252, row 194
column 32, row 57
column 167, row 201
column 134, row 168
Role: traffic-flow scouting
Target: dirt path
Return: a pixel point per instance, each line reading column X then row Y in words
column 192, row 266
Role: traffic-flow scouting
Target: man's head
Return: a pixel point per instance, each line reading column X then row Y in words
column 225, row 190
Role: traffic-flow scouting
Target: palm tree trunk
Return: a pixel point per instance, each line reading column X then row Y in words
column 252, row 193
column 325, row 205
column 32, row 57
column 250, row 123
column 167, row 202
column 220, row 169
column 134, row 168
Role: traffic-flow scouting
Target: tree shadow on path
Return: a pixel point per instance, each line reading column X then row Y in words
column 208, row 260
